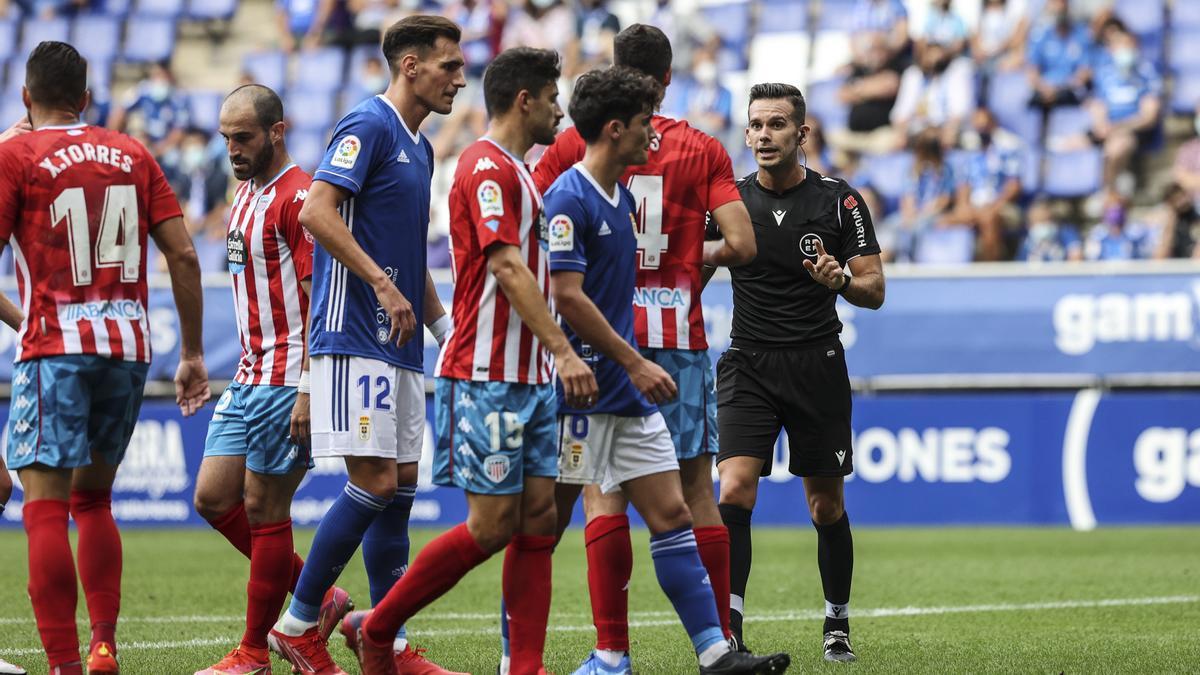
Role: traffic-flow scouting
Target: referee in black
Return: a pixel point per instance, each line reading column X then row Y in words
column 785, row 367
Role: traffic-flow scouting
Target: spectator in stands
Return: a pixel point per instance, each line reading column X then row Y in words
column 932, row 224
column 998, row 44
column 815, row 153
column 1180, row 225
column 1127, row 101
column 709, row 104
column 482, row 22
column 1186, row 170
column 993, row 171
column 1114, row 237
column 938, row 91
column 198, row 177
column 888, row 18
column 595, row 28
column 1059, row 53
column 544, row 24
column 158, row 108
column 302, row 22
column 687, row 31
column 1047, row 240
column 943, row 26
column 869, row 90
column 369, row 18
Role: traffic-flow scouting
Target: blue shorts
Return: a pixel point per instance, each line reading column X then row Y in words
column 692, row 417
column 491, row 435
column 254, row 421
column 66, row 407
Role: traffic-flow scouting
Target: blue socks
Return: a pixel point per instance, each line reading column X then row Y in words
column 683, row 578
column 338, row 536
column 385, row 546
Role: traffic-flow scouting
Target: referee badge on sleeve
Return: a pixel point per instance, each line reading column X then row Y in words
column 562, row 233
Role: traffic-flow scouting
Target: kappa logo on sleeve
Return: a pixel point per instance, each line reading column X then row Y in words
column 346, row 152
column 562, row 233
column 484, row 164
column 491, row 199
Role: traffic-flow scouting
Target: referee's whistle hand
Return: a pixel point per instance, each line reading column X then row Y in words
column 654, row 382
column 826, row 270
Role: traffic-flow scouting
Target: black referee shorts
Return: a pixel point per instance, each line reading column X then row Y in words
column 805, row 391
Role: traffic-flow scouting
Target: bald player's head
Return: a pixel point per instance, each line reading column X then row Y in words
column 253, row 127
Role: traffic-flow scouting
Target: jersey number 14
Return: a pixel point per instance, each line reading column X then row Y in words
column 117, row 243
column 652, row 243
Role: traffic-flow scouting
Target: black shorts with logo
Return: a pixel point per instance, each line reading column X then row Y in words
column 804, row 390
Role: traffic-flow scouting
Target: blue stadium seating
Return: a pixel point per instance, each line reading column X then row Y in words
column 11, row 110
column 34, row 31
column 836, row 15
column 112, row 7
column 307, row 148
column 310, row 111
column 8, row 39
column 15, row 79
column 211, row 9
column 319, row 70
column 268, row 69
column 1072, row 174
column 1186, row 92
column 731, row 21
column 1184, row 54
column 824, row 104
column 782, row 16
column 205, row 107
column 1067, row 121
column 1031, row 170
column 889, row 176
column 1142, row 16
column 96, row 36
column 1008, row 98
column 170, row 9
column 1185, row 14
column 149, row 39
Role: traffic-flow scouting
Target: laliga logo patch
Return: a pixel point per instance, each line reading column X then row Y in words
column 496, row 467
column 808, row 244
column 491, row 199
column 562, row 233
column 346, row 152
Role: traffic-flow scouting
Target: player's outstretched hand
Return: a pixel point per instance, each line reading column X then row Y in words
column 399, row 310
column 579, row 383
column 301, row 427
column 827, row 271
column 654, row 382
column 191, row 385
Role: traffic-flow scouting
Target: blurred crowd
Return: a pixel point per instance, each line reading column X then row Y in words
column 1039, row 130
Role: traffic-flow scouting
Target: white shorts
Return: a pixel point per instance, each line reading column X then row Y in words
column 608, row 450
column 366, row 408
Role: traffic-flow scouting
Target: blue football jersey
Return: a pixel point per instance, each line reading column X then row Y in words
column 594, row 233
column 387, row 170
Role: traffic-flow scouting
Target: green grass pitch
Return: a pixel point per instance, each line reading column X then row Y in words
column 972, row 600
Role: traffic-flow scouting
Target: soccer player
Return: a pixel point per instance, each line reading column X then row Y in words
column 257, row 447
column 687, row 176
column 77, row 204
column 786, row 367
column 368, row 209
column 496, row 407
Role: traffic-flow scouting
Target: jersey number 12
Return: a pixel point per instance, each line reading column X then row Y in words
column 652, row 243
column 117, row 243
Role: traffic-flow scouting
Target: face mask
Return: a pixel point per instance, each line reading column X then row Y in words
column 192, row 158
column 159, row 90
column 376, row 83
column 1042, row 232
column 1124, row 58
column 706, row 73
column 542, row 4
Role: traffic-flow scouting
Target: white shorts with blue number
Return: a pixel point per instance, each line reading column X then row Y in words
column 608, row 450
column 366, row 408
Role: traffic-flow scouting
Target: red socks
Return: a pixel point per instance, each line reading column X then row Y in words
column 99, row 560
column 52, row 585
column 439, row 565
column 610, row 565
column 713, row 544
column 235, row 527
column 527, row 599
column 271, row 558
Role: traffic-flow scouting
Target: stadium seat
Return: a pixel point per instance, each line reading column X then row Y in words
column 782, row 16
column 319, row 70
column 96, row 36
column 205, row 107
column 1066, row 121
column 1031, row 170
column 148, row 39
column 780, row 57
column 211, row 9
column 831, row 52
column 11, row 110
column 112, row 7
column 310, row 110
column 731, row 22
column 889, row 175
column 8, row 39
column 267, row 68
column 167, row 9
column 1185, row 14
column 307, row 148
column 1183, row 54
column 34, row 31
column 16, row 77
column 1072, row 174
column 836, row 15
column 824, row 104
column 1143, row 16
column 1186, row 92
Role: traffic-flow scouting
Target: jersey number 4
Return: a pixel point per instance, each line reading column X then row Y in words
column 652, row 243
column 117, row 243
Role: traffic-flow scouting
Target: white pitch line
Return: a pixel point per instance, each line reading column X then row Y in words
column 644, row 620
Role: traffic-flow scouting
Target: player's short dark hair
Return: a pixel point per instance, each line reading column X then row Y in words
column 616, row 93
column 516, row 70
column 645, row 48
column 55, row 74
column 773, row 90
column 417, row 32
column 268, row 108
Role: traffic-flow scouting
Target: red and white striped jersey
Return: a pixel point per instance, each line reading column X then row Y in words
column 687, row 176
column 77, row 204
column 493, row 201
column 269, row 255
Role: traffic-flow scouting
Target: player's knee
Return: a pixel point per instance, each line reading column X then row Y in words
column 825, row 509
column 671, row 515
column 493, row 534
column 6, row 487
column 381, row 485
column 211, row 506
column 738, row 492
column 539, row 517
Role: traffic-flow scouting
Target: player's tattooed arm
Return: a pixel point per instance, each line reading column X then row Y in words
column 736, row 245
column 321, row 218
column 191, row 378
column 519, row 285
column 590, row 325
